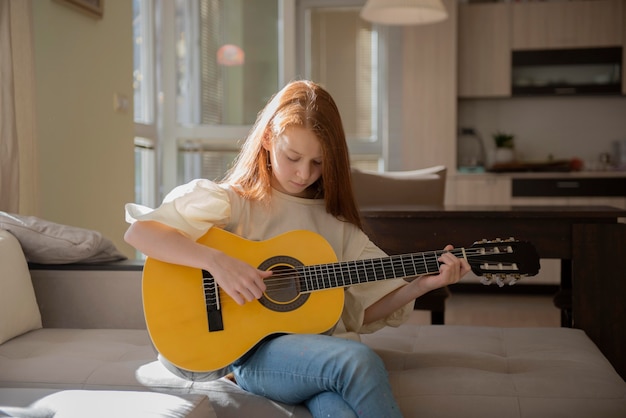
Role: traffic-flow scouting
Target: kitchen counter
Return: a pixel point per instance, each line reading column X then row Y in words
column 542, row 175
column 527, row 188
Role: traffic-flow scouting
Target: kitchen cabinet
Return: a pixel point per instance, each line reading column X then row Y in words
column 571, row 24
column 478, row 189
column 570, row 191
column 484, row 50
column 489, row 32
column 566, row 189
column 618, row 202
column 568, row 186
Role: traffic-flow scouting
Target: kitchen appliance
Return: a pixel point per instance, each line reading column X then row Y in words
column 470, row 151
column 575, row 71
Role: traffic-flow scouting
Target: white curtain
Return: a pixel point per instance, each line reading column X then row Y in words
column 19, row 184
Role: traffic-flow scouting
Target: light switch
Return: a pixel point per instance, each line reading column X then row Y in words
column 121, row 103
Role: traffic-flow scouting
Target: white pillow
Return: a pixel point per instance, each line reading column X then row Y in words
column 122, row 403
column 27, row 412
column 19, row 312
column 47, row 242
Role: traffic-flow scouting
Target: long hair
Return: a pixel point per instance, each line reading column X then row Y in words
column 306, row 104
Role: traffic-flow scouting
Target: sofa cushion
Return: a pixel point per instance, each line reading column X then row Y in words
column 18, row 306
column 227, row 398
column 48, row 242
column 435, row 371
column 446, row 371
column 75, row 359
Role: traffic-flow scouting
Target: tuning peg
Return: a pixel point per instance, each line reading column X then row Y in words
column 500, row 279
column 486, row 279
column 515, row 278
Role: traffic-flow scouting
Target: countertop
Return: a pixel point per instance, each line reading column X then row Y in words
column 541, row 175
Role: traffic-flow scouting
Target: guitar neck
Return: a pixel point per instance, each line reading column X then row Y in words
column 348, row 273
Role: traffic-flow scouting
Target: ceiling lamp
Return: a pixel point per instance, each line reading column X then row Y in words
column 230, row 55
column 403, row 12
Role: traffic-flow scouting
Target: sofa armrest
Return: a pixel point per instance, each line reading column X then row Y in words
column 90, row 295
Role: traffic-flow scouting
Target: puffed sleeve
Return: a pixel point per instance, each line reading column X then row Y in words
column 360, row 297
column 192, row 208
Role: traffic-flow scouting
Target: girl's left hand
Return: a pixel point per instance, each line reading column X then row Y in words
column 451, row 269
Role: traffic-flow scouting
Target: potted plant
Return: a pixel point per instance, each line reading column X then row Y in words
column 505, row 147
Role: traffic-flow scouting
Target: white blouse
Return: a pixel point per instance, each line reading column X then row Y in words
column 195, row 207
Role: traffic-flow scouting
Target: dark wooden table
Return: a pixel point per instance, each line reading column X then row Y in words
column 589, row 241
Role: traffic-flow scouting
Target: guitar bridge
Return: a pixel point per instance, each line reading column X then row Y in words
column 212, row 299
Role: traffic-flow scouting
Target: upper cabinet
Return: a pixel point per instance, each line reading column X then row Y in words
column 489, row 32
column 572, row 24
column 484, row 50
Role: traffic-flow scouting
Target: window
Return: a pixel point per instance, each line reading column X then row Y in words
column 228, row 63
column 341, row 51
column 143, row 86
column 226, row 60
column 205, row 68
column 143, row 63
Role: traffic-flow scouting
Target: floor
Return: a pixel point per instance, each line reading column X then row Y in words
column 503, row 310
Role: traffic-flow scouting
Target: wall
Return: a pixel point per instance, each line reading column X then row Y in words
column 85, row 146
column 564, row 127
column 427, row 103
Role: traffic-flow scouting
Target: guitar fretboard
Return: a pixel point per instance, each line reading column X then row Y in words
column 347, row 273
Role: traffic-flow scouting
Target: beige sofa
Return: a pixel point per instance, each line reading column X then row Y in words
column 73, row 344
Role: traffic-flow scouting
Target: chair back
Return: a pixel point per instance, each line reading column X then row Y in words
column 425, row 186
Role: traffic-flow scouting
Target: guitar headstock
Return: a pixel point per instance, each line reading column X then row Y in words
column 502, row 259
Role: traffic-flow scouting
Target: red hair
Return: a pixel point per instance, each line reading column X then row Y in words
column 306, row 104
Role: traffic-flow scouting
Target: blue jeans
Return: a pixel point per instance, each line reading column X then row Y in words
column 332, row 376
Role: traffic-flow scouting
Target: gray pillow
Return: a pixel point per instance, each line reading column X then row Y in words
column 47, row 242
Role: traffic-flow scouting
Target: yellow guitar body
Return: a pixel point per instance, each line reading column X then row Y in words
column 198, row 327
column 175, row 304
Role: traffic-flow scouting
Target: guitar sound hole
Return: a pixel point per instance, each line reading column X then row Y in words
column 282, row 291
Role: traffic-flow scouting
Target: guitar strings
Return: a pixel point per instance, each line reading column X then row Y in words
column 388, row 262
column 349, row 266
column 330, row 272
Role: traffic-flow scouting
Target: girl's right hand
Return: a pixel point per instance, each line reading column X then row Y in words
column 238, row 279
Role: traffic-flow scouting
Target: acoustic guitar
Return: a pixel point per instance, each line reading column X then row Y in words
column 198, row 327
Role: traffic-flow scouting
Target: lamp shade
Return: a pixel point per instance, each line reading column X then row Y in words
column 230, row 55
column 403, row 12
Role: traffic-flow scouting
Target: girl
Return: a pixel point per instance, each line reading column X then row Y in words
column 293, row 172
